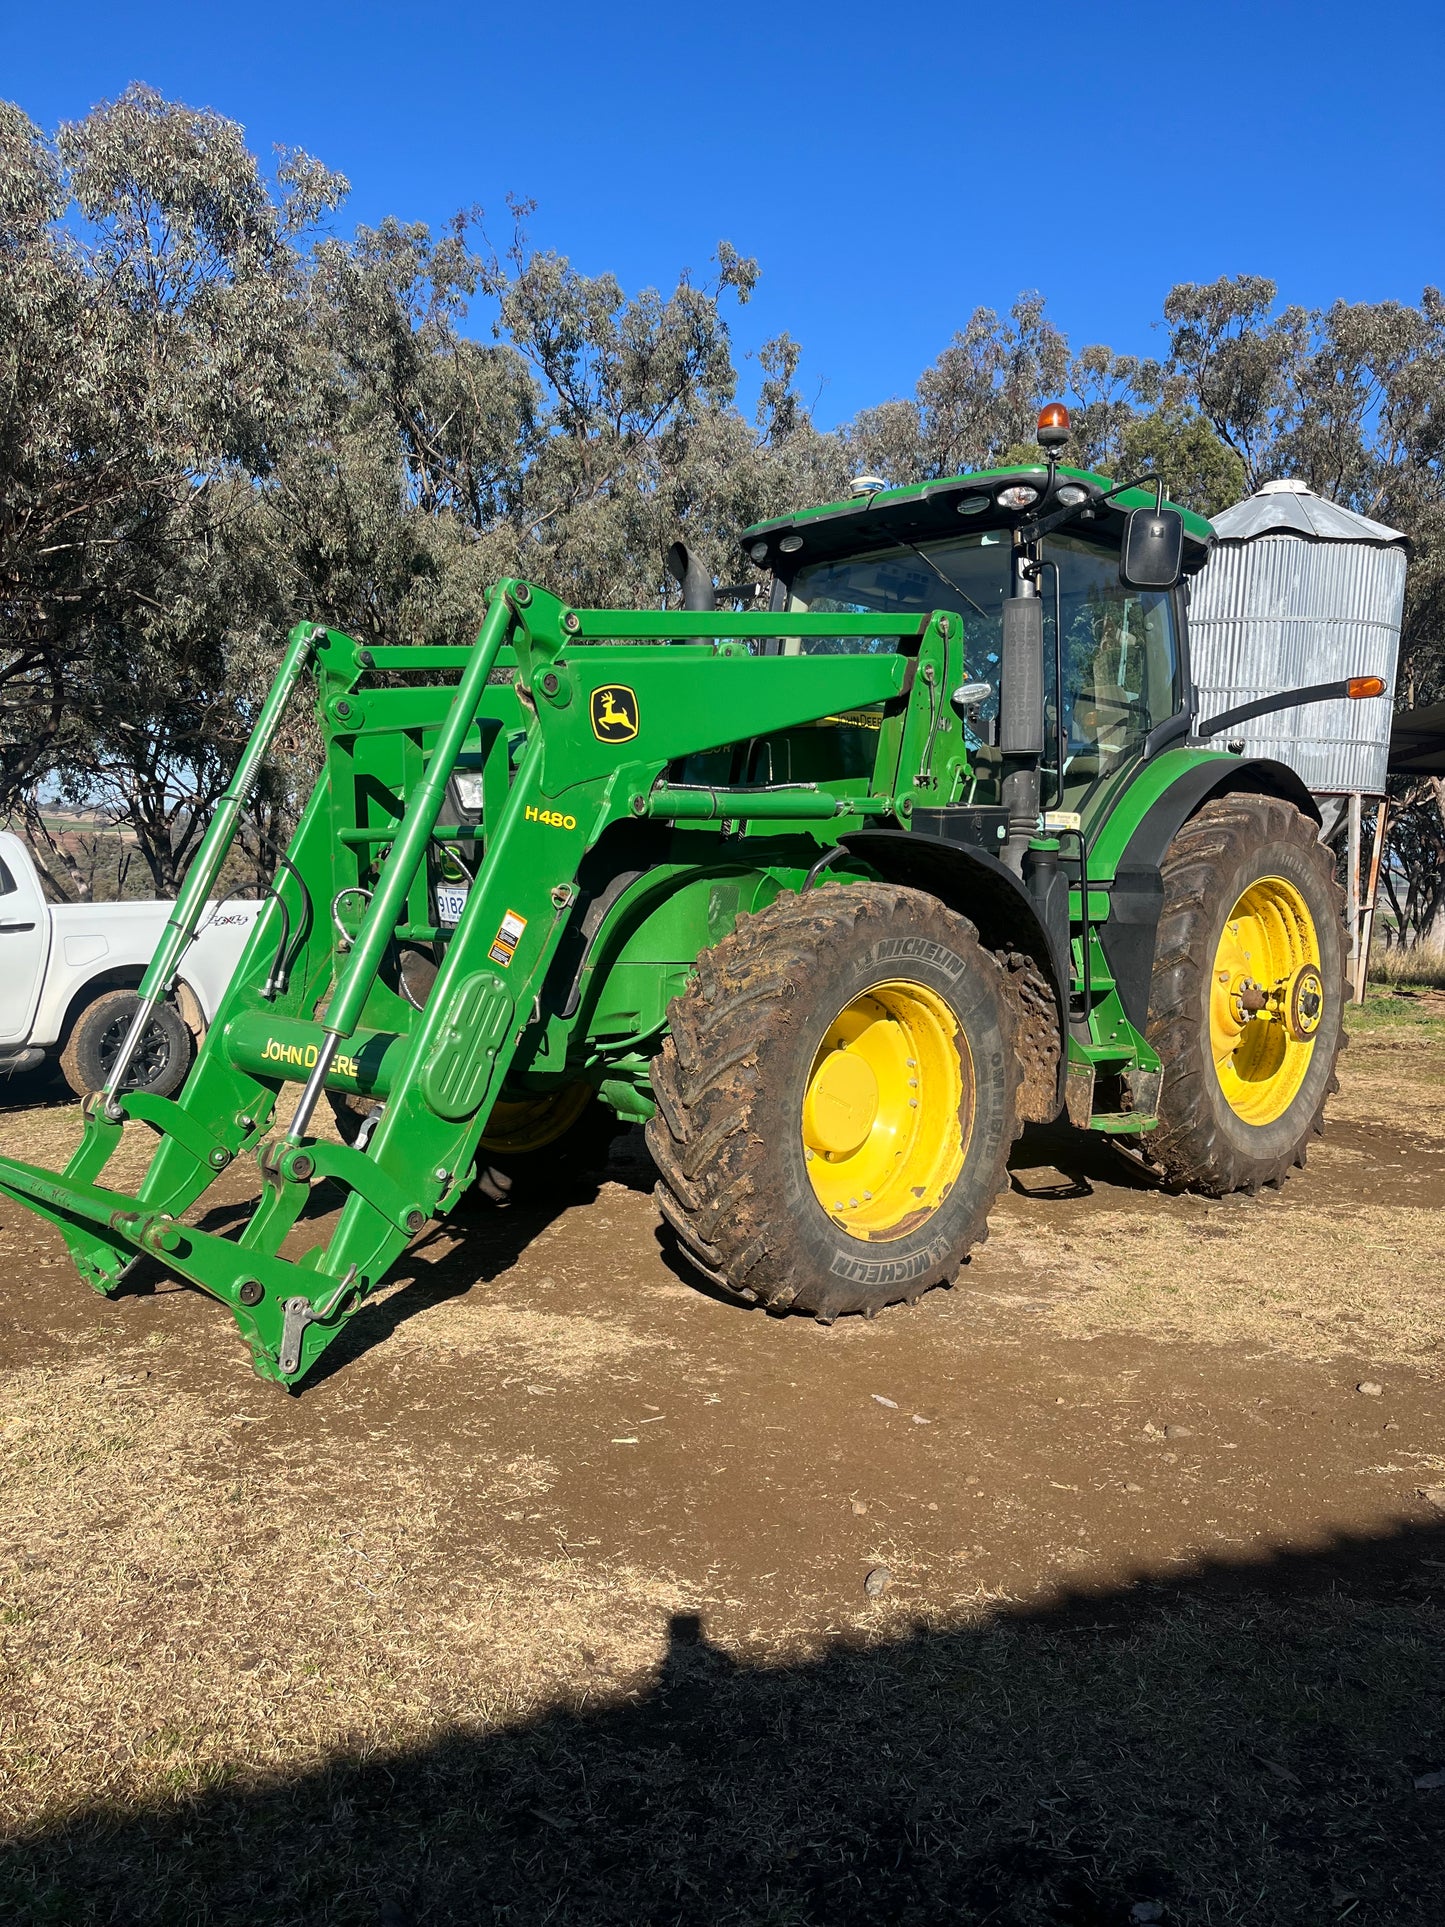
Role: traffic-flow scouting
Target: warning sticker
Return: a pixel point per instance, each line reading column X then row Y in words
column 504, row 944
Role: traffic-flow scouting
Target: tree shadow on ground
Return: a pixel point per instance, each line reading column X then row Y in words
column 1240, row 1744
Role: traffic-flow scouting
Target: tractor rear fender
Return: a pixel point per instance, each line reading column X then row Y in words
column 1136, row 895
column 993, row 899
column 644, row 904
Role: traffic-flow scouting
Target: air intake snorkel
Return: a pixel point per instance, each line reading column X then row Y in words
column 698, row 593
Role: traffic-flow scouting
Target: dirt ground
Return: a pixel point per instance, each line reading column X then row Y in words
column 544, row 1600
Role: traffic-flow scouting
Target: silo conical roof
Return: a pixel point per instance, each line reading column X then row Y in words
column 1293, row 508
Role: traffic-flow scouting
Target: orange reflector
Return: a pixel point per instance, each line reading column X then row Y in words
column 1359, row 686
column 1055, row 415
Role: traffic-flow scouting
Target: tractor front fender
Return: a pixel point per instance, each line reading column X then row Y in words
column 1136, row 896
column 993, row 899
column 1199, row 784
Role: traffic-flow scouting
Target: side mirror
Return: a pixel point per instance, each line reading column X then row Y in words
column 1153, row 554
column 698, row 593
column 1021, row 678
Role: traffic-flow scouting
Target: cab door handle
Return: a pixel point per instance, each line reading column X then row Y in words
column 17, row 926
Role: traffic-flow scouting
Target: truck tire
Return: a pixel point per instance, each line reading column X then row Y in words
column 1247, row 998
column 160, row 1064
column 835, row 1101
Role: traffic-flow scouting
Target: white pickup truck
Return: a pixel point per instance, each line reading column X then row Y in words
column 68, row 976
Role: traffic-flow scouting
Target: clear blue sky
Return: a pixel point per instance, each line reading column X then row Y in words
column 890, row 166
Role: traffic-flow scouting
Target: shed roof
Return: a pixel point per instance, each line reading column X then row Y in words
column 1293, row 508
column 1417, row 742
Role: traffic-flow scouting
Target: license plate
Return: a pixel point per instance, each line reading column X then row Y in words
column 451, row 901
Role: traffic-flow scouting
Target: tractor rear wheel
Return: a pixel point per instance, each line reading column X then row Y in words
column 1248, row 995
column 835, row 1101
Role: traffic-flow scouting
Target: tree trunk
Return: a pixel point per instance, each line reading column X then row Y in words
column 56, row 865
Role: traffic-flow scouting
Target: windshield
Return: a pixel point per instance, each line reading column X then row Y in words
column 1120, row 664
column 897, row 582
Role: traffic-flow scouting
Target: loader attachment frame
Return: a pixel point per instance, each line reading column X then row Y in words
column 566, row 742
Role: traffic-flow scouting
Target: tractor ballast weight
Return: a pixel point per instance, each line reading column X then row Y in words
column 535, row 876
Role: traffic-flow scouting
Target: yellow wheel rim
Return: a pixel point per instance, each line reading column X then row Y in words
column 1266, row 1000
column 888, row 1110
column 530, row 1123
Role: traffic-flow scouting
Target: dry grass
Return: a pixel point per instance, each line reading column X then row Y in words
column 1367, row 1283
column 1229, row 1758
column 1413, row 964
column 1348, row 1258
column 292, row 1671
column 173, row 1619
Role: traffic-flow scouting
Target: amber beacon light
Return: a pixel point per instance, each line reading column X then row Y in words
column 1053, row 425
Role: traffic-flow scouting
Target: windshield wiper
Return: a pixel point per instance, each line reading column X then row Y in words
column 903, row 542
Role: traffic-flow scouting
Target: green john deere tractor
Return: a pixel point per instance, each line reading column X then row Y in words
column 834, row 897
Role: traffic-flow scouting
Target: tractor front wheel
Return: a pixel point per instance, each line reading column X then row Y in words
column 536, row 1149
column 1248, row 995
column 835, row 1101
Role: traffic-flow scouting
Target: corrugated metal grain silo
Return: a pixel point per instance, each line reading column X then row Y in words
column 1300, row 591
column 1297, row 591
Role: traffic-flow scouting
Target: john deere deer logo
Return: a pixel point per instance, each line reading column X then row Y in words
column 614, row 714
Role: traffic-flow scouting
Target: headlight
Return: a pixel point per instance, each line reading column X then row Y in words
column 1018, row 497
column 973, row 505
column 469, row 790
column 790, row 544
column 1071, row 495
column 759, row 552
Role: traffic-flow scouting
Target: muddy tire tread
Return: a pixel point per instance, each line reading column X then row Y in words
column 707, row 1078
column 1190, row 1145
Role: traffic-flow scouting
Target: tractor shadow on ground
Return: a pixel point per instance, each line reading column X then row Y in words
column 477, row 1243
column 1255, row 1740
column 1054, row 1162
column 490, row 1240
column 1049, row 1163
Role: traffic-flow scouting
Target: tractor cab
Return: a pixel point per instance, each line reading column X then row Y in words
column 1114, row 673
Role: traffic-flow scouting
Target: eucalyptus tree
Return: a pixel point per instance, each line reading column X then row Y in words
column 148, row 302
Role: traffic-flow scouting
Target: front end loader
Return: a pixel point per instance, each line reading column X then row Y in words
column 833, row 898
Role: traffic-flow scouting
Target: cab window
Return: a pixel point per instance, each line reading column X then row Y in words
column 1120, row 664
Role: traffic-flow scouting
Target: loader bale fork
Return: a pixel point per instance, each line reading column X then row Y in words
column 833, row 899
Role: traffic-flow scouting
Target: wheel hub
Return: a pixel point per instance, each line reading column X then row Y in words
column 531, row 1122
column 841, row 1105
column 1305, row 1005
